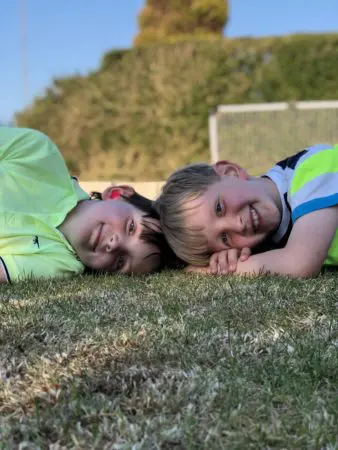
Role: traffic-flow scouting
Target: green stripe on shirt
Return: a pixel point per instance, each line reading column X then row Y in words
column 318, row 164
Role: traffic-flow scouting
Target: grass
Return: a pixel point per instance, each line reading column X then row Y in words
column 169, row 361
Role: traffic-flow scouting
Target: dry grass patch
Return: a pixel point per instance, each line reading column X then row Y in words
column 169, row 361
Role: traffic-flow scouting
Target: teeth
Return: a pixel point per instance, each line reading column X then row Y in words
column 254, row 218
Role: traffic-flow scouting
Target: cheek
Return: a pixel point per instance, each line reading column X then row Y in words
column 235, row 205
column 243, row 241
column 116, row 210
column 217, row 247
column 101, row 262
column 149, row 267
column 115, row 220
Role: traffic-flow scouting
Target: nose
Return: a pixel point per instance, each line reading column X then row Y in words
column 236, row 224
column 112, row 243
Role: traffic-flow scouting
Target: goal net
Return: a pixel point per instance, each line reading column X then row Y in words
column 257, row 135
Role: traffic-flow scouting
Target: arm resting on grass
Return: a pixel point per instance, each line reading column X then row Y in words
column 305, row 251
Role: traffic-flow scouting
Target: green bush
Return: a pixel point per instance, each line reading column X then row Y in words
column 144, row 112
column 172, row 20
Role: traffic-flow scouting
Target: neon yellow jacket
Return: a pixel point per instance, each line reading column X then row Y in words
column 36, row 194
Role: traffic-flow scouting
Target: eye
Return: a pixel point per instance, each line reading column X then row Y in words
column 131, row 227
column 119, row 263
column 224, row 238
column 219, row 209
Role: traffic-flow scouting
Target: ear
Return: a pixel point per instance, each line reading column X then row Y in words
column 227, row 168
column 115, row 192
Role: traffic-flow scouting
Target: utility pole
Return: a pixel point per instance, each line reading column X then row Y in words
column 23, row 39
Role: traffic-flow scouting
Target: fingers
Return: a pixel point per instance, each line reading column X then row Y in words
column 226, row 261
column 219, row 263
column 197, row 269
column 214, row 263
column 245, row 253
column 223, row 262
column 233, row 255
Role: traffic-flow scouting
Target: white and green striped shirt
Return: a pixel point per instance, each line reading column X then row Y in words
column 306, row 182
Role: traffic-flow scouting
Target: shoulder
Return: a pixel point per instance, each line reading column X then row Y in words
column 292, row 162
column 316, row 160
column 11, row 135
column 27, row 145
column 314, row 182
column 58, row 265
column 29, row 159
column 310, row 174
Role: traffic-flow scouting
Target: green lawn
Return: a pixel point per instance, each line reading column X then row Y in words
column 169, row 361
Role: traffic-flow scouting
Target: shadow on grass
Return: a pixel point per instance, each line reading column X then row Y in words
column 122, row 394
column 109, row 393
column 93, row 363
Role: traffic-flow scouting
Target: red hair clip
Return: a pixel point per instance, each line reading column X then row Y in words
column 115, row 194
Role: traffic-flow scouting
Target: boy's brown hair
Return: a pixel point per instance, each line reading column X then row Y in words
column 181, row 187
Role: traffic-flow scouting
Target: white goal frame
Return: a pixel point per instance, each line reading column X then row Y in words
column 257, row 107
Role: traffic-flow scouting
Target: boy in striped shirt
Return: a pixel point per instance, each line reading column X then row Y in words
column 212, row 215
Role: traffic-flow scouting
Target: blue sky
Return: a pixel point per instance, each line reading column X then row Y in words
column 70, row 36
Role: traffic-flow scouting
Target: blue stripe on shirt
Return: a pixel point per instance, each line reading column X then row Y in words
column 314, row 205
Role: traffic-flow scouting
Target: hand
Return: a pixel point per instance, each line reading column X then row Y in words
column 226, row 261
column 198, row 269
column 222, row 262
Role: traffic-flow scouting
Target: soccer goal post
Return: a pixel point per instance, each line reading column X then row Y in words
column 258, row 135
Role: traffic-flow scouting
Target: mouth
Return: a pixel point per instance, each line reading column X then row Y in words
column 97, row 236
column 254, row 219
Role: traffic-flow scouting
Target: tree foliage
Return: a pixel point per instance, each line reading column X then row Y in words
column 145, row 111
column 172, row 20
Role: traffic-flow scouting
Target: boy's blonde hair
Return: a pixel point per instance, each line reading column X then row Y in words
column 181, row 187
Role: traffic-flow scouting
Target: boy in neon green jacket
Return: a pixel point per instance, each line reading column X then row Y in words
column 51, row 228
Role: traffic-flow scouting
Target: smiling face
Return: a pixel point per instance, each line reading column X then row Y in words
column 108, row 236
column 234, row 212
